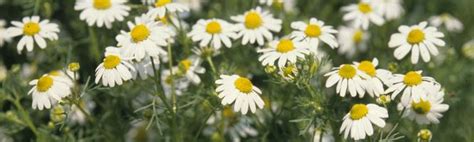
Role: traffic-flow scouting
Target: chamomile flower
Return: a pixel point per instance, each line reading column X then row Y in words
column 256, row 25
column 419, row 39
column 190, row 68
column 102, row 12
column 451, row 23
column 390, row 9
column 114, row 69
column 288, row 72
column 145, row 39
column 66, row 77
column 284, row 50
column 205, row 52
column 163, row 7
column 426, row 111
column 352, row 40
column 348, row 78
column 240, row 91
column 266, row 2
column 362, row 14
column 287, row 5
column 313, row 32
column 213, row 32
column 180, row 82
column 47, row 90
column 144, row 68
column 3, row 33
column 413, row 85
column 33, row 30
column 376, row 77
column 358, row 122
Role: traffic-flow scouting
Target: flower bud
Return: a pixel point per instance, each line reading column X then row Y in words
column 424, row 135
column 383, row 99
column 74, row 66
column 270, row 69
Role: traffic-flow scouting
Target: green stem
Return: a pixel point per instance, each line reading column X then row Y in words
column 211, row 63
column 157, row 81
column 94, row 43
column 37, row 6
column 26, row 117
column 173, row 94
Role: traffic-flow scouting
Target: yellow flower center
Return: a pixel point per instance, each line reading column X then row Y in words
column 31, row 28
column 139, row 33
column 228, row 112
column 313, row 30
column 367, row 67
column 163, row 20
column 412, row 78
column 288, row 70
column 424, row 134
column 415, row 36
column 358, row 36
column 422, row 107
column 364, row 8
column 111, row 61
column 160, row 3
column 358, row 111
column 44, row 83
column 285, row 45
column 102, row 4
column 243, row 85
column 185, row 65
column 347, row 71
column 253, row 20
column 213, row 27
column 55, row 73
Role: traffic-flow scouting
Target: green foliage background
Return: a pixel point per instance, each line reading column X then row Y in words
column 115, row 107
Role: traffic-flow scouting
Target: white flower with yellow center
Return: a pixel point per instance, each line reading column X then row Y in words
column 145, row 39
column 413, row 85
column 240, row 90
column 33, row 30
column 390, row 9
column 256, row 25
column 180, row 82
column 352, row 40
column 451, row 23
column 419, row 39
column 358, row 122
column 348, row 78
column 163, row 7
column 362, row 14
column 213, row 32
column 284, row 50
column 428, row 110
column 114, row 69
column 190, row 68
column 102, row 12
column 376, row 77
column 3, row 33
column 312, row 32
column 144, row 68
column 67, row 77
column 47, row 90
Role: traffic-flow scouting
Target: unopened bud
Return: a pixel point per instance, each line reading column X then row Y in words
column 74, row 66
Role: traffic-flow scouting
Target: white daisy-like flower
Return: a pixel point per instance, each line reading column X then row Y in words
column 426, row 111
column 358, row 122
column 179, row 81
column 348, row 79
column 213, row 32
column 234, row 88
column 205, row 52
column 419, row 39
column 190, row 68
column 145, row 39
column 451, row 23
column 66, row 77
column 102, row 12
column 287, row 5
column 413, row 85
column 390, row 9
column 266, row 2
column 256, row 25
column 114, row 69
column 163, row 7
column 377, row 77
column 47, row 90
column 192, row 4
column 312, row 32
column 362, row 14
column 144, row 68
column 33, row 30
column 284, row 50
column 352, row 40
column 3, row 33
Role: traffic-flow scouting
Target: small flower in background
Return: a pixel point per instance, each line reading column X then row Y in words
column 383, row 100
column 266, row 2
column 284, row 50
column 33, row 30
column 390, row 9
column 213, row 32
column 114, row 69
column 240, row 91
column 468, row 49
column 413, row 85
column 360, row 15
column 424, row 135
column 76, row 115
column 376, row 77
column 256, row 25
column 237, row 127
column 163, row 7
column 3, row 33
column 428, row 109
column 205, row 52
column 144, row 68
column 348, row 79
column 451, row 23
column 419, row 39
column 358, row 122
column 74, row 66
column 288, row 72
column 180, row 83
column 57, row 114
column 313, row 32
column 287, row 5
column 144, row 40
column 47, row 90
column 190, row 68
column 102, row 12
column 352, row 40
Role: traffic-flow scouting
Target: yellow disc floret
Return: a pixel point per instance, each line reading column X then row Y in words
column 139, row 33
column 358, row 111
column 367, row 67
column 422, row 107
column 412, row 78
column 364, row 8
column 213, row 27
column 185, row 65
column 347, row 71
column 253, row 20
column 243, row 84
column 358, row 36
column 160, row 3
column 285, row 45
column 415, row 36
column 102, row 4
column 111, row 61
column 313, row 30
column 44, row 83
column 31, row 28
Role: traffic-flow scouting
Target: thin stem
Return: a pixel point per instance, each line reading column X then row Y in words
column 157, row 81
column 173, row 94
column 211, row 63
column 37, row 6
column 94, row 43
column 25, row 116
